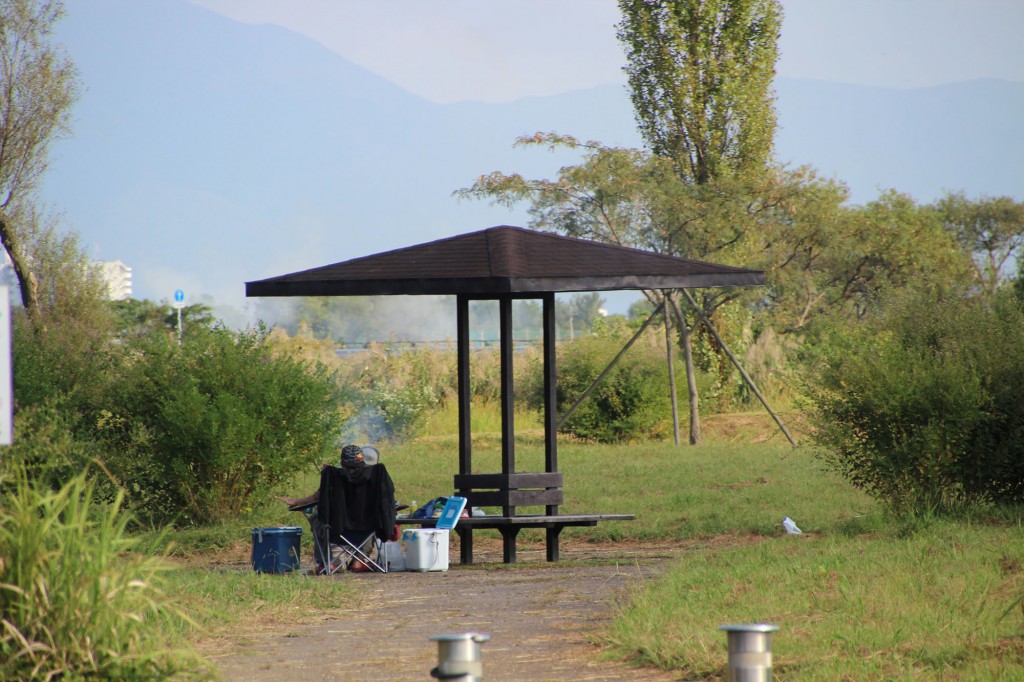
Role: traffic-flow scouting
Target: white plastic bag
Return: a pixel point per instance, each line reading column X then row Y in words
column 790, row 526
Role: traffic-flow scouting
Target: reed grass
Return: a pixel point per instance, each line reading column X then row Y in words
column 485, row 417
column 76, row 600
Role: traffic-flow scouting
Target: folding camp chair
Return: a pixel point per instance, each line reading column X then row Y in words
column 355, row 516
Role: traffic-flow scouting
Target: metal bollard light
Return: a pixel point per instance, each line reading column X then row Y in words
column 458, row 657
column 750, row 651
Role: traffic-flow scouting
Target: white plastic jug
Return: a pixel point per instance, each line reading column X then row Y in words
column 394, row 555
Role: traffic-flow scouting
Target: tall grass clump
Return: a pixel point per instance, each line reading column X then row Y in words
column 75, row 601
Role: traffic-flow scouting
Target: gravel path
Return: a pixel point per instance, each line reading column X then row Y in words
column 540, row 618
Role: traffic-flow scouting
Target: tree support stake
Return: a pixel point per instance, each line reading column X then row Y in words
column 743, row 372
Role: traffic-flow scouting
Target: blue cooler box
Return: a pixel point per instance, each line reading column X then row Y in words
column 276, row 550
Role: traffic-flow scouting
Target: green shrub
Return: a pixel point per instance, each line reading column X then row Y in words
column 199, row 432
column 46, row 444
column 721, row 387
column 76, row 602
column 405, row 409
column 632, row 400
column 61, row 357
column 922, row 408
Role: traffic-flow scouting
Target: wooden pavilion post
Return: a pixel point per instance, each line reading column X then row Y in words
column 462, row 349
column 550, row 338
column 465, row 431
column 508, row 435
column 508, row 440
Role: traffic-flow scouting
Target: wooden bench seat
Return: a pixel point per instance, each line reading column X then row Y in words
column 510, row 491
column 509, row 527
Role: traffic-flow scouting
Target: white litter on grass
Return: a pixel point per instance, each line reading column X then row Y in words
column 790, row 526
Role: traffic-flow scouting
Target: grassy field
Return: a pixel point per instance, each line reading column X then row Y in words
column 858, row 596
column 873, row 606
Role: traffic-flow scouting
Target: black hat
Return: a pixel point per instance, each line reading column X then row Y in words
column 352, row 456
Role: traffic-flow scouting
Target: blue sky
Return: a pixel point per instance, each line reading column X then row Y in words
column 501, row 50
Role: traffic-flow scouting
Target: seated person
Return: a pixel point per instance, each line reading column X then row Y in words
column 352, row 457
column 363, row 498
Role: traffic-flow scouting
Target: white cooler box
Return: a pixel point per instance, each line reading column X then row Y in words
column 426, row 549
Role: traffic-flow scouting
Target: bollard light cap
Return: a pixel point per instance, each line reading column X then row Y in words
column 475, row 636
column 750, row 627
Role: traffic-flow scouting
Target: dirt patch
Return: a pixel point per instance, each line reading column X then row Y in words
column 540, row 617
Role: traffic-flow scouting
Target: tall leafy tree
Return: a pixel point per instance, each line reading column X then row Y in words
column 634, row 198
column 62, row 350
column 827, row 257
column 700, row 76
column 579, row 313
column 68, row 282
column 38, row 86
column 136, row 317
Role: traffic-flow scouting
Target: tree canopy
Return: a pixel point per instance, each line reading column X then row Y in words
column 991, row 229
column 38, row 86
column 700, row 76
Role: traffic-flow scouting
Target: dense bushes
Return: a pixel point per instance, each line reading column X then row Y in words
column 191, row 433
column 632, row 400
column 216, row 423
column 922, row 407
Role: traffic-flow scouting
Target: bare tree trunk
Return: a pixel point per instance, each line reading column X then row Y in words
column 27, row 282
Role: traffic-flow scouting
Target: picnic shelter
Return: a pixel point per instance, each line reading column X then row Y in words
column 506, row 263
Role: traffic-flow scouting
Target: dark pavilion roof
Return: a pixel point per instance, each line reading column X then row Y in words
column 504, row 260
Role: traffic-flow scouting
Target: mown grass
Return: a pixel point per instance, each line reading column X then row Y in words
column 858, row 596
column 211, row 579
column 933, row 605
column 235, row 602
column 680, row 492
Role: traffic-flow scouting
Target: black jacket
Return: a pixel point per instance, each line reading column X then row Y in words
column 357, row 499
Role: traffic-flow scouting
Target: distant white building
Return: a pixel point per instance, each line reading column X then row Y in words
column 117, row 275
column 119, row 279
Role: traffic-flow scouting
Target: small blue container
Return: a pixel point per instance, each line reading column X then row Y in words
column 276, row 550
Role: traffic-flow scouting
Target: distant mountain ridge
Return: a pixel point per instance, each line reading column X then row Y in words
column 208, row 152
column 965, row 136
